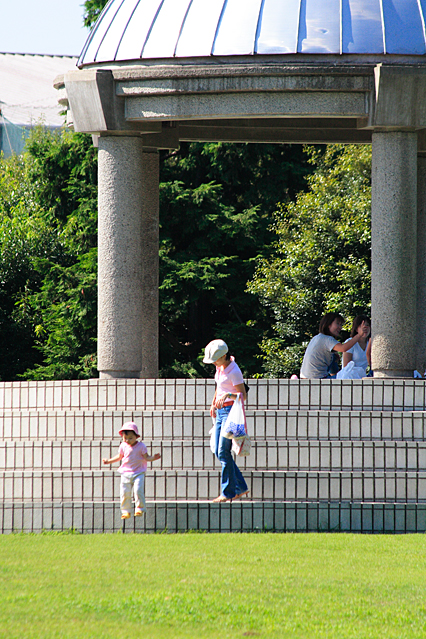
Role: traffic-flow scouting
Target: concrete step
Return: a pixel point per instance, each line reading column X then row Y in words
column 196, row 394
column 248, row 516
column 188, row 485
column 291, row 455
column 327, row 455
column 192, row 425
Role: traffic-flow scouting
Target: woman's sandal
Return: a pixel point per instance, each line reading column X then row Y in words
column 241, row 495
column 220, row 499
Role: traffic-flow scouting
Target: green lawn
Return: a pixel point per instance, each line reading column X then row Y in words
column 212, row 586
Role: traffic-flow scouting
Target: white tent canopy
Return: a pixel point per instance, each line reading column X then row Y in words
column 27, row 96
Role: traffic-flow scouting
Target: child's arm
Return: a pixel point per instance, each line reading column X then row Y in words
column 151, row 458
column 112, row 460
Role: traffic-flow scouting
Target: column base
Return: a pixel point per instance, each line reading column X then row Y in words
column 392, row 374
column 120, row 374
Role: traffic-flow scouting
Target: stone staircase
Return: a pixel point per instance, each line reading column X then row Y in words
column 344, row 455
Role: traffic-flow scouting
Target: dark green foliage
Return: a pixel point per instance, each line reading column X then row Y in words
column 215, row 221
column 63, row 174
column 216, row 209
column 63, row 310
column 48, row 259
column 66, row 309
column 93, row 10
column 26, row 237
column 322, row 256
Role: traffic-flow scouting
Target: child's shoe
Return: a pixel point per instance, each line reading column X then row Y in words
column 125, row 515
column 138, row 512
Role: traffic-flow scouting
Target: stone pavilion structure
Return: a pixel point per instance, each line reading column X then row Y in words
column 157, row 72
column 341, row 455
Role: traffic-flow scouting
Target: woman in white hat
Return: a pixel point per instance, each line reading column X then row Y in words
column 229, row 381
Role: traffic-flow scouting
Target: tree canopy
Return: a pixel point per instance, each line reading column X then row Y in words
column 321, row 258
column 92, row 10
column 216, row 208
column 216, row 205
column 48, row 259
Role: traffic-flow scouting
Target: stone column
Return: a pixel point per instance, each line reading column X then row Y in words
column 128, row 259
column 421, row 263
column 394, row 253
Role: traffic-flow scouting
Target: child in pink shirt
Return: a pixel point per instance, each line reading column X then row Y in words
column 134, row 457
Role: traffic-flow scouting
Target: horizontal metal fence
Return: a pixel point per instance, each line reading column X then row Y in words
column 221, row 518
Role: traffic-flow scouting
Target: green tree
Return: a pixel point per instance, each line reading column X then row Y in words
column 26, row 238
column 216, row 208
column 93, row 9
column 48, row 237
column 321, row 261
column 63, row 309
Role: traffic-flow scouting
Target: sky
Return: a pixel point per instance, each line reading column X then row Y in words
column 42, row 26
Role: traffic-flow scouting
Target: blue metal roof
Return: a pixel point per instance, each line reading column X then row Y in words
column 147, row 29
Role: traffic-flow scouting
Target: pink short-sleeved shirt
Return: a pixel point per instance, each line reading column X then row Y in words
column 227, row 379
column 132, row 460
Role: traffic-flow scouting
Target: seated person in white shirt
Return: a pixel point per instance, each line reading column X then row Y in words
column 360, row 353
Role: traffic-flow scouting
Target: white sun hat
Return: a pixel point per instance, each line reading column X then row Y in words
column 214, row 351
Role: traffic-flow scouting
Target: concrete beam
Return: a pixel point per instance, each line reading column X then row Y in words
column 245, row 105
column 400, row 97
column 358, row 76
column 167, row 139
column 284, row 123
column 126, row 100
column 190, row 133
column 242, row 83
column 94, row 105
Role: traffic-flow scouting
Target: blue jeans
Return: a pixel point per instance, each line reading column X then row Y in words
column 232, row 481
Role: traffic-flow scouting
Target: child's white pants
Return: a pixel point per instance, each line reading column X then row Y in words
column 135, row 483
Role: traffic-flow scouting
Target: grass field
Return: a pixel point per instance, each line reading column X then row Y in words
column 212, row 586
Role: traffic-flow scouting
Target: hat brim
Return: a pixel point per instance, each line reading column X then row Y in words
column 120, row 432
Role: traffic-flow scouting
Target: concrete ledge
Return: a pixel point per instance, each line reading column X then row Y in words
column 101, row 517
column 204, row 485
column 269, row 455
column 196, row 394
column 23, row 425
column 346, row 468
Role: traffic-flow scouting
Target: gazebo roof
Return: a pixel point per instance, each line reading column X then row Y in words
column 131, row 30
